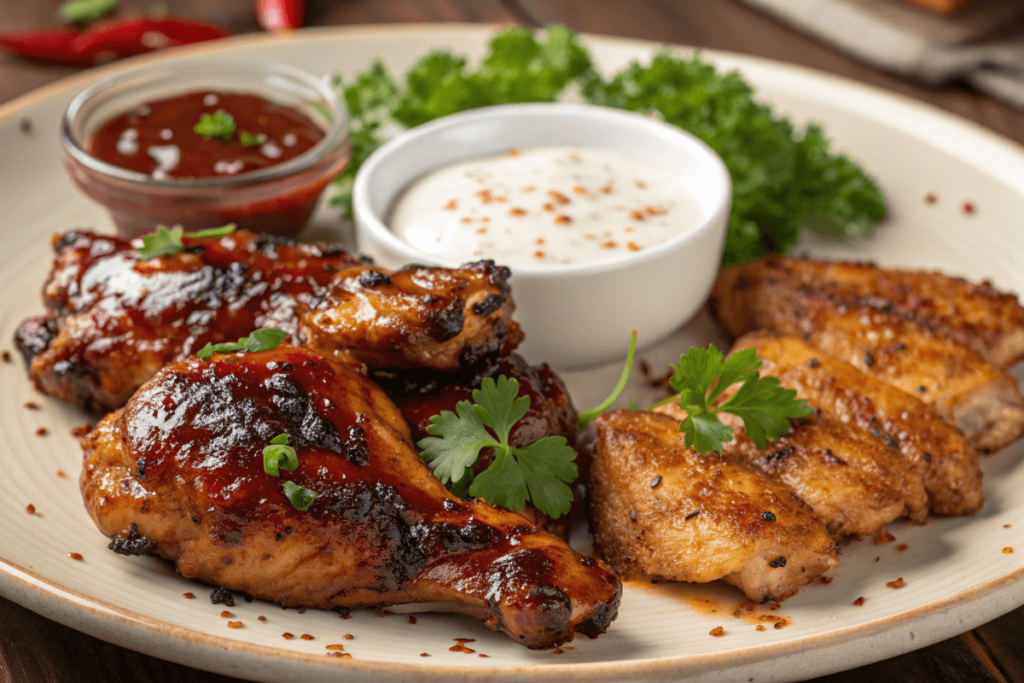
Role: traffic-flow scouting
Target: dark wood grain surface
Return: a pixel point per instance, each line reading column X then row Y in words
column 36, row 650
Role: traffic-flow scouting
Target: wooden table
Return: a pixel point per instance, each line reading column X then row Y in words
column 36, row 650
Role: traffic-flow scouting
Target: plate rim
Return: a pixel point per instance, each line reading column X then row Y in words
column 98, row 618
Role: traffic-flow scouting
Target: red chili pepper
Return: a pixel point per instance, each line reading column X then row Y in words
column 108, row 41
column 52, row 46
column 276, row 15
column 129, row 37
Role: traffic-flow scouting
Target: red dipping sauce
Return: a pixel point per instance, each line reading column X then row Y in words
column 147, row 166
column 158, row 139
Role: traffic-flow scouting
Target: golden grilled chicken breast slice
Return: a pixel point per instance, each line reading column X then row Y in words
column 660, row 508
column 962, row 387
column 854, row 486
column 892, row 417
column 978, row 315
column 180, row 472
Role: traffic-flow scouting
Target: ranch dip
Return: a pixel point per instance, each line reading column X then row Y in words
column 544, row 206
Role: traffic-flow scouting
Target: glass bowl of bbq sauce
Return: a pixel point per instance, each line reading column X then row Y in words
column 206, row 144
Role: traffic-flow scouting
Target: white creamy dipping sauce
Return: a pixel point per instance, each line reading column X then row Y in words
column 545, row 206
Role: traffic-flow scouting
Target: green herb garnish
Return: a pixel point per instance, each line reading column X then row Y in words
column 251, row 139
column 86, row 10
column 586, row 418
column 784, row 178
column 164, row 242
column 764, row 406
column 266, row 339
column 279, row 456
column 539, row 472
column 299, row 496
column 219, row 124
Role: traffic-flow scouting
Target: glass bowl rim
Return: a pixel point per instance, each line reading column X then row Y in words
column 334, row 137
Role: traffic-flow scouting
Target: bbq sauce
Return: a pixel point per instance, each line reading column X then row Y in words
column 157, row 138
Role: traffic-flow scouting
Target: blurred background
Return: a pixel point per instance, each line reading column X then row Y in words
column 963, row 56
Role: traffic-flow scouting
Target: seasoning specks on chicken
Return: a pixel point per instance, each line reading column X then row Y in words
column 648, row 530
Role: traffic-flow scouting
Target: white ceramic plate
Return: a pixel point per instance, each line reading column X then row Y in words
column 956, row 575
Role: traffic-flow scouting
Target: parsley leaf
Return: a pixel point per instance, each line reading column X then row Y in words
column 251, row 139
column 785, row 178
column 86, row 10
column 164, row 242
column 764, row 406
column 266, row 339
column 219, row 124
column 279, row 456
column 539, row 473
column 299, row 496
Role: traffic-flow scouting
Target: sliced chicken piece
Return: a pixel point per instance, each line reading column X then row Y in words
column 417, row 317
column 989, row 321
column 854, row 485
column 890, row 416
column 660, row 508
column 179, row 472
column 962, row 387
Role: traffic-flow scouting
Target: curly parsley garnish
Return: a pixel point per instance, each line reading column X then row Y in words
column 219, row 124
column 764, row 406
column 279, row 456
column 299, row 496
column 164, row 242
column 539, row 473
column 785, row 178
column 266, row 339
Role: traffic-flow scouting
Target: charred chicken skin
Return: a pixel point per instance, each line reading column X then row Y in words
column 179, row 472
column 114, row 320
column 660, row 508
column 868, row 333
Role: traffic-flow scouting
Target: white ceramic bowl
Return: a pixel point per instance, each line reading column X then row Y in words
column 579, row 314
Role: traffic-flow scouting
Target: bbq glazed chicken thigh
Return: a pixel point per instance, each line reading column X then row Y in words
column 114, row 320
column 660, row 508
column 179, row 472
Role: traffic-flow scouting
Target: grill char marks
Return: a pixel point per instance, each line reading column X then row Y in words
column 114, row 321
column 381, row 530
column 437, row 318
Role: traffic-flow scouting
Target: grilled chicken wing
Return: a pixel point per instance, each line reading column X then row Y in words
column 114, row 320
column 956, row 381
column 853, row 485
column 660, row 508
column 892, row 417
column 417, row 317
column 179, row 472
column 421, row 395
column 989, row 321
